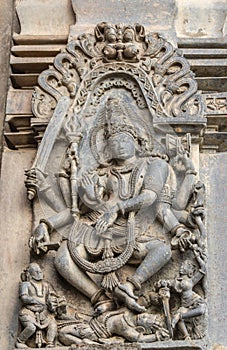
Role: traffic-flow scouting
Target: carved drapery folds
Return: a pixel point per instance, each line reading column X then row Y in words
column 117, row 195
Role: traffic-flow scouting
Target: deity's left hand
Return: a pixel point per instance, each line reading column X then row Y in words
column 182, row 239
column 183, row 160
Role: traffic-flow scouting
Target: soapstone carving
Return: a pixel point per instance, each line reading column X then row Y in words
column 117, row 198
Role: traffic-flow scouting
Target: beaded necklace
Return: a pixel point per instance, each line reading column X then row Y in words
column 126, row 191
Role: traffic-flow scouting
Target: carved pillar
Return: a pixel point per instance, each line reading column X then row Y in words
column 6, row 19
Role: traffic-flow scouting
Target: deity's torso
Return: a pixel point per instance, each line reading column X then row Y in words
column 124, row 182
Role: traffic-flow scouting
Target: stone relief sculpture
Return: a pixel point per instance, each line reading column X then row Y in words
column 192, row 304
column 115, row 327
column 40, row 305
column 116, row 193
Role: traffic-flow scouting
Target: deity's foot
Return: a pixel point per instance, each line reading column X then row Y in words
column 126, row 288
column 129, row 301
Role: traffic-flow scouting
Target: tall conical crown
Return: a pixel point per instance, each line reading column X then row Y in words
column 117, row 119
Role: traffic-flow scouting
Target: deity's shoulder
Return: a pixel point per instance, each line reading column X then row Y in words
column 155, row 177
column 157, row 164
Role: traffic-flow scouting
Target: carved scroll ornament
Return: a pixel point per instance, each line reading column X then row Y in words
column 161, row 72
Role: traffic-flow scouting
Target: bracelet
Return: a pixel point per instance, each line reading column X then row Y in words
column 175, row 228
column 49, row 226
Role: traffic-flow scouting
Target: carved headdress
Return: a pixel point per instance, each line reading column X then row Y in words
column 117, row 120
column 116, row 117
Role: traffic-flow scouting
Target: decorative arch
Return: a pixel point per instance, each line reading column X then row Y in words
column 163, row 74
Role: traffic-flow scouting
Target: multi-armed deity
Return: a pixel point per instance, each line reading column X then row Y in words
column 119, row 198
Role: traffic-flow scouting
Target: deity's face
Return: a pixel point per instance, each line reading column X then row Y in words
column 35, row 272
column 122, row 146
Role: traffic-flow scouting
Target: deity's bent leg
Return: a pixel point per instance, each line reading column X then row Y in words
column 73, row 274
column 157, row 256
column 183, row 329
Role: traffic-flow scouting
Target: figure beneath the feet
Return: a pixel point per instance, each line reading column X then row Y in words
column 115, row 326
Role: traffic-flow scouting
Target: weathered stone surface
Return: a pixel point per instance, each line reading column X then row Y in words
column 15, row 223
column 219, row 347
column 36, row 50
column 201, row 18
column 6, row 16
column 43, row 17
column 155, row 15
column 19, row 102
column 137, row 184
column 213, row 171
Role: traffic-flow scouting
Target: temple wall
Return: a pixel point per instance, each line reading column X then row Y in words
column 213, row 171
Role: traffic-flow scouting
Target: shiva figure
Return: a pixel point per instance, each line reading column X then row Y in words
column 107, row 233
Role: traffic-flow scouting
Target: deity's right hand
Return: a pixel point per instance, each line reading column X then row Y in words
column 88, row 191
column 38, row 242
column 105, row 221
column 183, row 239
column 88, row 186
